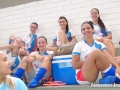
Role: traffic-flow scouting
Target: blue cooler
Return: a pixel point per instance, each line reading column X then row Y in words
column 62, row 69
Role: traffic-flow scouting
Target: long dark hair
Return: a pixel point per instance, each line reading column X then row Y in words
column 43, row 38
column 100, row 22
column 88, row 22
column 67, row 27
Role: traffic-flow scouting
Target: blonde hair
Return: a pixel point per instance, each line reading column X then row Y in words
column 9, row 81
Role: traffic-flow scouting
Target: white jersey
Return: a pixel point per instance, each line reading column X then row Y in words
column 14, row 59
column 83, row 49
column 30, row 42
column 36, row 63
column 99, row 32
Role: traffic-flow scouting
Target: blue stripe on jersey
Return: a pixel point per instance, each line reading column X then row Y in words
column 105, row 48
column 108, row 32
column 55, row 39
column 12, row 54
column 76, row 53
column 68, row 36
column 103, row 32
column 32, row 44
column 45, row 53
column 15, row 63
column 98, row 46
column 88, row 44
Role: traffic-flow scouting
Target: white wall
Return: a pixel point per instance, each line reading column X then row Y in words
column 16, row 20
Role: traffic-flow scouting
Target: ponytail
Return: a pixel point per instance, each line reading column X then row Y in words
column 100, row 22
column 67, row 27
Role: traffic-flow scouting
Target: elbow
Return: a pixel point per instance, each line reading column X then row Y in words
column 77, row 65
column 74, row 66
column 22, row 52
column 111, row 37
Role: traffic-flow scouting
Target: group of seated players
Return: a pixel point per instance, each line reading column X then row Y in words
column 95, row 53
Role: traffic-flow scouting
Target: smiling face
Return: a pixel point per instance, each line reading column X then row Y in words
column 87, row 30
column 62, row 22
column 4, row 64
column 95, row 14
column 33, row 28
column 18, row 42
column 41, row 43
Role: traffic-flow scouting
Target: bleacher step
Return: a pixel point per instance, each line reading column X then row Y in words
column 75, row 87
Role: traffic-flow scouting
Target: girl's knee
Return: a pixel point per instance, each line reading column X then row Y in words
column 23, row 52
column 46, row 59
column 24, row 59
column 107, row 41
column 61, row 32
column 96, row 51
column 25, row 62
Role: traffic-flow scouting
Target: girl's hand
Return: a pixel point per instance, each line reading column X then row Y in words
column 27, row 59
column 50, row 56
column 100, row 40
column 40, row 58
column 96, row 39
column 116, row 58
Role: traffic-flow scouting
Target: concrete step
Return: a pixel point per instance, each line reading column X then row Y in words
column 77, row 87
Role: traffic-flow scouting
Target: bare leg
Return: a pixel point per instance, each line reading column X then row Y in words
column 50, row 48
column 62, row 37
column 23, row 52
column 47, row 64
column 118, row 60
column 40, row 74
column 95, row 62
column 111, row 48
column 23, row 66
column 26, row 66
